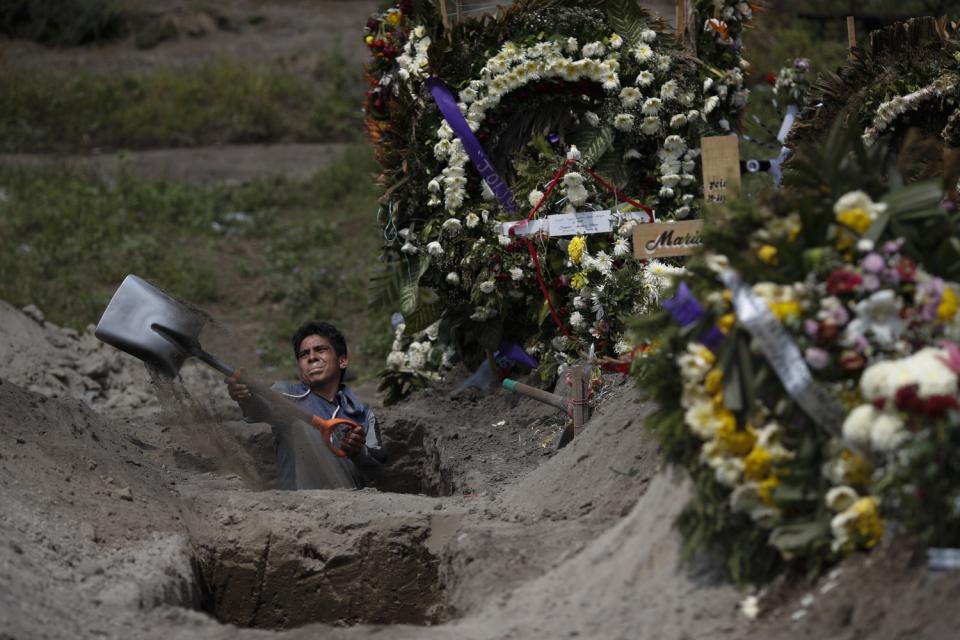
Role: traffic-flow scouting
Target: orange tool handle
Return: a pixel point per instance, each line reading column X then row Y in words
column 326, row 427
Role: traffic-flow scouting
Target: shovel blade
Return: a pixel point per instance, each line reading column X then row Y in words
column 129, row 323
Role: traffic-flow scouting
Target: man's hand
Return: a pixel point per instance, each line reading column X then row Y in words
column 352, row 442
column 238, row 391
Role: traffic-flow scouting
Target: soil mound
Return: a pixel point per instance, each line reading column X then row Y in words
column 156, row 520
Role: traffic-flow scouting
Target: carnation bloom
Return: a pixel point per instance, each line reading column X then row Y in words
column 623, row 121
column 472, row 220
column 487, row 286
column 434, row 249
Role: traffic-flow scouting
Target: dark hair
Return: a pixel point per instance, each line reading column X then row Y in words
column 324, row 329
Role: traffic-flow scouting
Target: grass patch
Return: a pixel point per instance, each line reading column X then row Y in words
column 63, row 23
column 68, row 237
column 219, row 102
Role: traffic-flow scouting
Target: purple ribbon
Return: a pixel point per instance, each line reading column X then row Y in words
column 686, row 310
column 451, row 113
column 515, row 352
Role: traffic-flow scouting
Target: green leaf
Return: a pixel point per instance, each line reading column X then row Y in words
column 627, row 20
column 795, row 537
column 593, row 143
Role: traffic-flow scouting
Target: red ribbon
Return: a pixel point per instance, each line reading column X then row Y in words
column 557, row 176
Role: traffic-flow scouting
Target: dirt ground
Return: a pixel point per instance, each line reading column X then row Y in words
column 137, row 509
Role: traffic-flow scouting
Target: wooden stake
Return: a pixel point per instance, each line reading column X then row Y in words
column 681, row 19
column 443, row 15
column 851, row 32
column 579, row 408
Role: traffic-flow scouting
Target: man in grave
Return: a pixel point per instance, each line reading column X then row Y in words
column 303, row 461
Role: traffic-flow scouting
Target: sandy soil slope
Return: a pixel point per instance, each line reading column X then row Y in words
column 126, row 515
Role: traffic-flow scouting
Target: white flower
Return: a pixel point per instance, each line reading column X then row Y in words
column 666, row 192
column 840, row 498
column 534, row 197
column 573, row 153
column 472, row 220
column 856, row 427
column 648, row 35
column 434, row 248
column 629, row 96
column 623, row 121
column 669, row 90
column 453, row 278
column 615, row 41
column 651, row 106
column 592, row 119
column 573, row 187
column 728, row 471
column 576, row 320
column 487, row 286
column 516, row 273
column 887, row 432
column 878, row 315
column 750, row 607
column 650, row 125
column 707, row 84
column 417, row 360
column 670, row 180
column 611, row 81
column 678, row 121
column 433, row 186
column 593, row 50
column 711, row 104
column 578, row 302
column 408, row 248
column 663, row 63
column 859, row 200
column 631, row 154
column 674, row 145
column 396, row 359
column 452, row 226
column 642, row 52
column 504, row 241
column 571, row 45
column 621, row 247
column 604, row 263
column 622, row 347
column 645, row 79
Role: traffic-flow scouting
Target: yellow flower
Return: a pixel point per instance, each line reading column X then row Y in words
column 857, row 219
column 737, row 442
column 857, row 470
column 579, row 280
column 578, row 244
column 948, row 306
column 767, row 254
column 795, row 229
column 765, row 490
column 707, row 355
column 756, row 466
column 868, row 523
column 726, row 322
column 785, row 310
column 368, row 39
column 714, row 381
column 393, row 18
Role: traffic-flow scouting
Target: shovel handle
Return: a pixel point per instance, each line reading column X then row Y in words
column 326, row 427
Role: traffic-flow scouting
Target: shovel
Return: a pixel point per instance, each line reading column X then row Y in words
column 150, row 325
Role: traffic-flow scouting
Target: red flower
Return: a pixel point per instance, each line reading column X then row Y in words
column 906, row 269
column 771, row 79
column 851, row 361
column 937, row 406
column 827, row 331
column 906, row 398
column 841, row 281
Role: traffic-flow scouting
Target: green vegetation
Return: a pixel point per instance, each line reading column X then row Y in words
column 298, row 248
column 61, row 22
column 219, row 102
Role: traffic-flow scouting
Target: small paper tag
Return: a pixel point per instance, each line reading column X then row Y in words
column 580, row 223
column 721, row 168
column 665, row 239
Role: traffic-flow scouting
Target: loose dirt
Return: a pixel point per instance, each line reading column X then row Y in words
column 133, row 510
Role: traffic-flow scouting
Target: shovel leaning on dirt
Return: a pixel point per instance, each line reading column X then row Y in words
column 150, row 325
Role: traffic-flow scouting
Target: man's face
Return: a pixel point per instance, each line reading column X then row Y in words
column 318, row 361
